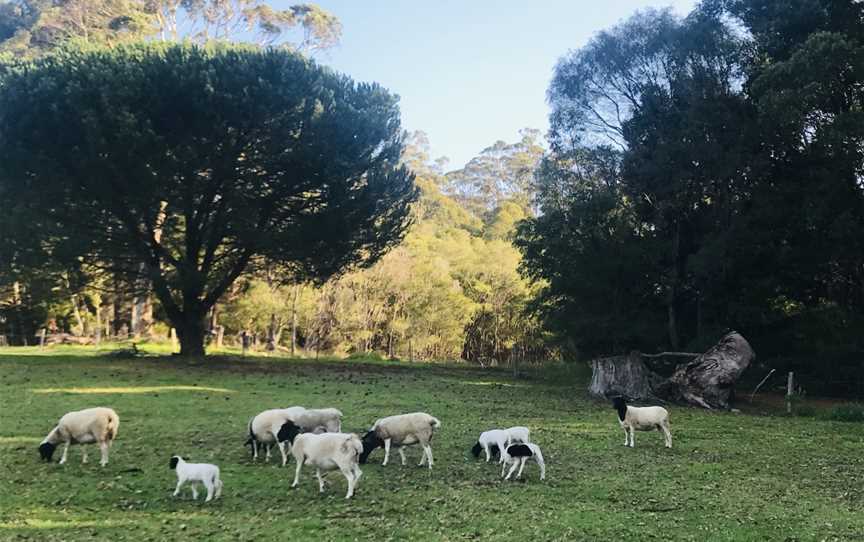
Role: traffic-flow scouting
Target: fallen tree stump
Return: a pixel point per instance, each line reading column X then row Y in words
column 707, row 381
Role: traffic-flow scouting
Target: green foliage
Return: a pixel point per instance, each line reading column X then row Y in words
column 851, row 412
column 734, row 199
column 190, row 163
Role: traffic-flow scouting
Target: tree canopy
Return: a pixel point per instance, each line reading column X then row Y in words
column 198, row 163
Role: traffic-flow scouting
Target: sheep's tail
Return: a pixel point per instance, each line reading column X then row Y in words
column 251, row 440
column 434, row 422
column 112, row 426
column 352, row 444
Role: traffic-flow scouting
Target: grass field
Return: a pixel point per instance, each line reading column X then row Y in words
column 729, row 476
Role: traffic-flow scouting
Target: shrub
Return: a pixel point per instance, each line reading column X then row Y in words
column 850, row 412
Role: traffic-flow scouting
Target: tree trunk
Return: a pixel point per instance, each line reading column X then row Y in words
column 623, row 375
column 79, row 330
column 294, row 319
column 707, row 381
column 190, row 331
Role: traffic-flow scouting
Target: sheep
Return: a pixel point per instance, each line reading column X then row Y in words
column 642, row 419
column 495, row 440
column 264, row 427
column 205, row 473
column 325, row 451
column 311, row 419
column 86, row 426
column 402, row 430
column 518, row 454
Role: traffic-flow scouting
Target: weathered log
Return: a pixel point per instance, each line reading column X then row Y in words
column 707, row 381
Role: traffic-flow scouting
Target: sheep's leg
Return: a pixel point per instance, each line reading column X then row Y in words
column 218, row 484
column 284, row 453
column 402, row 454
column 513, row 468
column 626, row 437
column 503, row 468
column 194, row 491
column 103, row 447
column 297, row 474
column 83, row 454
column 177, row 489
column 65, row 453
column 386, row 451
column 522, row 462
column 422, row 457
column 349, row 474
column 210, row 489
column 488, row 455
column 254, row 450
column 632, row 437
column 667, row 435
column 267, row 450
column 357, row 473
column 320, row 481
column 428, row 450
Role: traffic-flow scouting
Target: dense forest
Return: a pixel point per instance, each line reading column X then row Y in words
column 700, row 174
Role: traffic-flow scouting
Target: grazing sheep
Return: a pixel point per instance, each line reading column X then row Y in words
column 518, row 454
column 402, row 430
column 311, row 419
column 86, row 426
column 495, row 440
column 205, row 473
column 325, row 451
column 264, row 427
column 642, row 419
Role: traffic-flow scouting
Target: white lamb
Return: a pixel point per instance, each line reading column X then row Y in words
column 327, row 452
column 87, row 426
column 205, row 473
column 642, row 419
column 400, row 431
column 496, row 441
column 516, row 455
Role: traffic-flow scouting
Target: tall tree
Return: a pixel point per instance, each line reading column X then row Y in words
column 232, row 154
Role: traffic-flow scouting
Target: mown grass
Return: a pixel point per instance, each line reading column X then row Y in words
column 728, row 477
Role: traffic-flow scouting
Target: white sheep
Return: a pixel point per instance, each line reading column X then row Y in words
column 264, row 429
column 311, row 419
column 327, row 452
column 400, row 431
column 496, row 440
column 642, row 419
column 205, row 473
column 86, row 426
column 516, row 455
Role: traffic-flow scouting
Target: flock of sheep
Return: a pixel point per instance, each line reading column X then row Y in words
column 313, row 437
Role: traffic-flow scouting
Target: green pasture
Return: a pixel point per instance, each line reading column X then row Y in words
column 729, row 476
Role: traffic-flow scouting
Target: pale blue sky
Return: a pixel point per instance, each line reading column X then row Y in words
column 468, row 72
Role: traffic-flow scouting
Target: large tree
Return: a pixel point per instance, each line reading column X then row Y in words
column 198, row 163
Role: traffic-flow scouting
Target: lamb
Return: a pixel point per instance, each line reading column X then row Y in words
column 264, row 427
column 495, row 440
column 402, row 430
column 641, row 419
column 205, row 473
column 86, row 426
column 325, row 451
column 518, row 454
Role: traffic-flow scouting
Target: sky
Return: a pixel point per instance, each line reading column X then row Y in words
column 468, row 72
